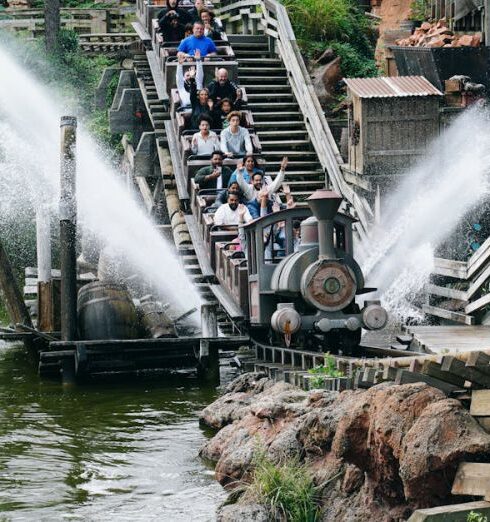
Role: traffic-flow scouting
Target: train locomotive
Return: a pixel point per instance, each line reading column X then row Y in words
column 303, row 291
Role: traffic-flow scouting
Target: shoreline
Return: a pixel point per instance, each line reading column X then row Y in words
column 373, row 454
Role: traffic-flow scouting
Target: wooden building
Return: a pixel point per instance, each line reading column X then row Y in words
column 392, row 120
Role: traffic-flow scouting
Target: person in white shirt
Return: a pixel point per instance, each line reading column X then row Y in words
column 184, row 80
column 235, row 140
column 232, row 213
column 206, row 141
column 252, row 191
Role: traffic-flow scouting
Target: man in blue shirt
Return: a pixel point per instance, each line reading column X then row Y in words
column 197, row 41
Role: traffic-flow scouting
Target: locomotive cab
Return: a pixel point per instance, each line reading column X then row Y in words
column 303, row 284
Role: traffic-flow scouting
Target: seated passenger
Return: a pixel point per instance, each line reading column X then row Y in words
column 196, row 10
column 232, row 213
column 184, row 81
column 204, row 142
column 251, row 190
column 215, row 176
column 172, row 9
column 235, row 140
column 221, row 111
column 201, row 106
column 250, row 168
column 188, row 46
column 173, row 30
column 187, row 30
column 222, row 196
column 222, row 87
column 211, row 28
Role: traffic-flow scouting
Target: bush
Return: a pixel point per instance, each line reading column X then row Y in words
column 340, row 24
column 286, row 489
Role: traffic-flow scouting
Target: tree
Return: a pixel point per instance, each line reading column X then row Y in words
column 51, row 23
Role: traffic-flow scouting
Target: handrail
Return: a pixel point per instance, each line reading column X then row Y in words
column 278, row 26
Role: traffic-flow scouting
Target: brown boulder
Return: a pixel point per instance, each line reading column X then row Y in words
column 325, row 79
column 444, row 435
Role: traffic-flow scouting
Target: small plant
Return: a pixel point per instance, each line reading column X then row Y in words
column 473, row 516
column 287, row 489
column 327, row 369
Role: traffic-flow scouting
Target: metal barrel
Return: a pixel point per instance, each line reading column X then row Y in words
column 106, row 311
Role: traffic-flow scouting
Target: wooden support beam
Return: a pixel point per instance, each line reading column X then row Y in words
column 472, row 479
column 452, row 513
column 480, row 403
column 453, row 365
column 11, row 293
column 480, row 361
column 406, row 377
column 68, row 229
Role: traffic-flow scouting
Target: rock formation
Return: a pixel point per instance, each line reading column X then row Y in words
column 376, row 455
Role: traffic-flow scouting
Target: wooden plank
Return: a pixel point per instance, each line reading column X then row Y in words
column 453, row 365
column 443, row 291
column 480, row 403
column 407, row 377
column 157, row 74
column 433, row 369
column 452, row 513
column 179, row 175
column 479, row 360
column 144, row 35
column 472, row 479
column 227, row 302
column 146, row 193
column 450, row 268
column 479, row 303
column 447, row 314
column 199, row 247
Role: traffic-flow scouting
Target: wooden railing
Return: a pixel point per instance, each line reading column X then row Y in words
column 466, row 287
column 114, row 20
column 271, row 18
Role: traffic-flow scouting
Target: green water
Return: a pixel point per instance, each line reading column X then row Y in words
column 124, row 450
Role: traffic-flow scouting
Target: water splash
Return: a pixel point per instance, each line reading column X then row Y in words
column 425, row 208
column 29, row 174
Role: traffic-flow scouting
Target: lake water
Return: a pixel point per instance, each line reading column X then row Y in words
column 123, row 450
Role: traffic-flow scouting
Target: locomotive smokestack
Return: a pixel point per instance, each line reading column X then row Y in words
column 324, row 205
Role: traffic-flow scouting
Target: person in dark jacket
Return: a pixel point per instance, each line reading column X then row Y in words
column 215, row 176
column 202, row 105
column 222, row 88
column 172, row 10
column 173, row 31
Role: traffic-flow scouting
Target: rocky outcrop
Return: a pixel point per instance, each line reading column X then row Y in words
column 375, row 454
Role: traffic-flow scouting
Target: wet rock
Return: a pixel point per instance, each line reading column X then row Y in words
column 243, row 512
column 226, row 409
column 252, row 382
column 443, row 436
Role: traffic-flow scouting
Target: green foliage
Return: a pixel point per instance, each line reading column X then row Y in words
column 327, row 370
column 340, row 24
column 353, row 63
column 418, row 10
column 287, row 489
column 473, row 516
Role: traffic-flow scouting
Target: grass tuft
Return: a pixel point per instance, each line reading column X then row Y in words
column 286, row 489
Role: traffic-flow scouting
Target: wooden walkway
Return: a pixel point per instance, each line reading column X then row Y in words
column 442, row 339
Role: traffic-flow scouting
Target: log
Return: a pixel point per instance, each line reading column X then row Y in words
column 14, row 302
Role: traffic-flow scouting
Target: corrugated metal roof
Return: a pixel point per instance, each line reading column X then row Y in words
column 392, row 87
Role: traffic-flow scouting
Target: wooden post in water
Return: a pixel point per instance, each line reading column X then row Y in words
column 11, row 293
column 68, row 229
column 208, row 352
column 44, row 283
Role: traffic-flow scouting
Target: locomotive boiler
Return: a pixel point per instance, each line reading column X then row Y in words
column 308, row 296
